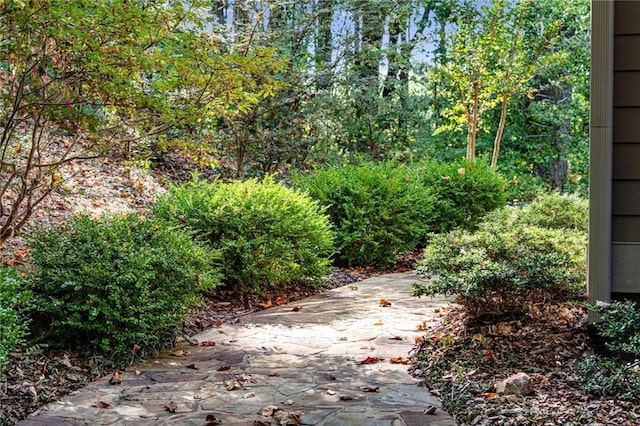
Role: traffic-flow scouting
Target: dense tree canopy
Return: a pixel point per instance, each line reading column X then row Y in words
column 263, row 87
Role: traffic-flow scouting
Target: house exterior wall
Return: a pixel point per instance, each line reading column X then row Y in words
column 625, row 166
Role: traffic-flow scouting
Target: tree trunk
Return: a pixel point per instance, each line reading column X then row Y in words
column 501, row 124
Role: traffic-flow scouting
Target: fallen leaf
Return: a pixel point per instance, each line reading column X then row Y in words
column 171, row 407
column 267, row 410
column 282, row 300
column 217, row 324
column 346, row 398
column 370, row 360
column 352, row 287
column 370, row 388
column 490, row 395
column 136, row 348
column 274, row 374
column 223, row 368
column 400, row 360
column 288, row 402
column 379, row 322
column 297, row 309
column 248, row 395
column 116, row 378
column 177, row 353
column 261, row 423
column 423, row 326
column 384, row 303
column 65, row 361
column 418, row 339
column 267, row 304
column 396, row 338
column 288, row 417
column 212, row 420
column 430, row 410
column 101, row 404
column 331, row 392
column 233, row 385
column 208, row 343
column 192, row 366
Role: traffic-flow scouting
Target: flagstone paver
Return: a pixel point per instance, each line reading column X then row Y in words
column 302, row 357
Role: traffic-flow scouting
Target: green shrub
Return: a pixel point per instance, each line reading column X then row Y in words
column 464, row 192
column 268, row 235
column 603, row 377
column 621, row 326
column 115, row 282
column 13, row 299
column 508, row 264
column 378, row 210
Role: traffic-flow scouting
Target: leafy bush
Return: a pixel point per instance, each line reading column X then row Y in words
column 13, row 299
column 620, row 325
column 464, row 192
column 267, row 234
column 509, row 263
column 115, row 282
column 378, row 210
column 606, row 377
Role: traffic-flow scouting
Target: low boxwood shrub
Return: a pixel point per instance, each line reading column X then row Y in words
column 269, row 235
column 604, row 377
column 464, row 192
column 620, row 326
column 115, row 283
column 379, row 210
column 508, row 264
column 13, row 301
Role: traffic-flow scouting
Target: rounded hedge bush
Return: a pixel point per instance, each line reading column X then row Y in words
column 269, row 235
column 115, row 282
column 13, row 300
column 379, row 210
column 515, row 258
column 464, row 192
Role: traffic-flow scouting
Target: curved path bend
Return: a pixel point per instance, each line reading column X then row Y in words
column 304, row 358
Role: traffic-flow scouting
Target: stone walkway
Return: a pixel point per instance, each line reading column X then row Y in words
column 305, row 358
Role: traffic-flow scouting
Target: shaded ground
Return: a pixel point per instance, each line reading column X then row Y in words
column 463, row 364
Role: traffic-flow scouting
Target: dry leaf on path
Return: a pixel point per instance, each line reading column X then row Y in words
column 233, row 385
column 370, row 388
column 223, row 368
column 430, row 410
column 178, row 353
column 288, row 402
column 267, row 304
column 400, row 360
column 379, row 322
column 171, row 407
column 212, row 420
column 370, row 360
column 101, row 404
column 288, row 417
column 208, row 343
column 346, row 398
column 297, row 309
column 282, row 300
column 384, row 303
column 192, row 366
column 268, row 410
column 116, row 378
column 352, row 287
column 396, row 338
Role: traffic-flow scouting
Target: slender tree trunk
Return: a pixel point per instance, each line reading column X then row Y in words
column 498, row 139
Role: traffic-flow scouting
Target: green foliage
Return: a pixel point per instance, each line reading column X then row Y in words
column 268, row 235
column 621, row 326
column 379, row 210
column 515, row 257
column 115, row 282
column 464, row 190
column 603, row 377
column 13, row 300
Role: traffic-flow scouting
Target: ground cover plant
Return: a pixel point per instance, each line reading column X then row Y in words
column 268, row 235
column 13, row 300
column 118, row 284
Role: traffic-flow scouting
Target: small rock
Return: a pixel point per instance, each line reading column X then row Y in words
column 517, row 384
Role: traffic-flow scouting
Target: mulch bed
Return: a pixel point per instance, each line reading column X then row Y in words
column 462, row 363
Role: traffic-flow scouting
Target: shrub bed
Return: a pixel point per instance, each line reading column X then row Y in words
column 378, row 210
column 13, row 300
column 268, row 235
column 514, row 260
column 116, row 284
